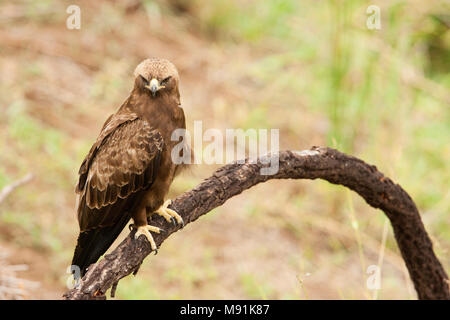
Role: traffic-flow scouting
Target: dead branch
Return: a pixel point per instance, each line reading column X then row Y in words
column 426, row 272
column 11, row 286
column 10, row 188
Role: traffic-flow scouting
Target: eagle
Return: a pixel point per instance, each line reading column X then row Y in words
column 128, row 170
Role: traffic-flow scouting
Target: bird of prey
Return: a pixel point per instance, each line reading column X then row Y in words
column 127, row 172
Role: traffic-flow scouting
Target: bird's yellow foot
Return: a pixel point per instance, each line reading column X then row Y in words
column 169, row 214
column 145, row 230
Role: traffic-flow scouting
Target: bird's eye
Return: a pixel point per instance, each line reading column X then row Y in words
column 143, row 79
column 165, row 80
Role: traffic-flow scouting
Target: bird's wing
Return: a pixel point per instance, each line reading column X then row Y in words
column 123, row 162
column 111, row 124
column 118, row 170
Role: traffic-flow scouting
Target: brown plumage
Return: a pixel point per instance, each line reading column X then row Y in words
column 128, row 171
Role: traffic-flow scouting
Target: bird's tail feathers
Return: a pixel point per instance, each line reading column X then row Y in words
column 92, row 244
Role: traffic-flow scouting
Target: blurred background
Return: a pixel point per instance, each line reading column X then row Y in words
column 310, row 68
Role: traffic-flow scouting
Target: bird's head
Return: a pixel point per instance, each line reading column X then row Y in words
column 156, row 76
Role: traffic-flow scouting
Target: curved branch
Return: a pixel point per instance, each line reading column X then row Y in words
column 427, row 273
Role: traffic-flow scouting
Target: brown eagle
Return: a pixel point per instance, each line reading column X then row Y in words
column 129, row 169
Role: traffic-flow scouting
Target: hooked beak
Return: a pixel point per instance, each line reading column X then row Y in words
column 154, row 86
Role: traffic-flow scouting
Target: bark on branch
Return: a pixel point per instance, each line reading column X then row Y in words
column 426, row 272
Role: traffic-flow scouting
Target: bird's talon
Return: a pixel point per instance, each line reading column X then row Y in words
column 169, row 214
column 145, row 230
